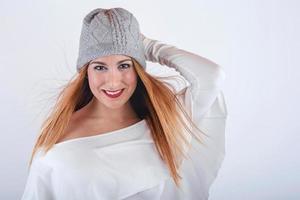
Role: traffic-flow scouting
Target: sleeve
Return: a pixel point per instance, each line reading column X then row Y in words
column 38, row 183
column 204, row 99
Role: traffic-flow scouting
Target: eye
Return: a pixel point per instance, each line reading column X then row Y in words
column 99, row 67
column 126, row 66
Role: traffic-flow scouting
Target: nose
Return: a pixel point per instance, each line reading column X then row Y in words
column 114, row 79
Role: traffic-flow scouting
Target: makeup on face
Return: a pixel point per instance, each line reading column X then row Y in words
column 113, row 94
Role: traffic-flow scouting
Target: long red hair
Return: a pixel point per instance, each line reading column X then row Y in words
column 170, row 124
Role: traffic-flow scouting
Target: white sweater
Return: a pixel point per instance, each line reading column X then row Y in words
column 124, row 164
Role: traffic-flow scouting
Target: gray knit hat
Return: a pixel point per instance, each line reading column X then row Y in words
column 110, row 31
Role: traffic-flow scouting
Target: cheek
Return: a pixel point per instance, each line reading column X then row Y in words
column 95, row 81
column 131, row 79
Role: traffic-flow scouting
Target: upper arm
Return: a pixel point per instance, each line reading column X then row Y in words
column 38, row 184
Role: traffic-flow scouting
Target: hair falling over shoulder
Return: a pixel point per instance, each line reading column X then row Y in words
column 171, row 125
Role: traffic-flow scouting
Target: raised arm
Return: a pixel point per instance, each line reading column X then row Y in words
column 205, row 76
column 204, row 98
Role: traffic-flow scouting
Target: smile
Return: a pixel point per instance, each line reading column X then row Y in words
column 113, row 94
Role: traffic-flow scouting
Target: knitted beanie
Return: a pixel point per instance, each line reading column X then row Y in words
column 110, row 31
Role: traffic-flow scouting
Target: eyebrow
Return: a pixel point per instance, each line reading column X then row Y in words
column 102, row 63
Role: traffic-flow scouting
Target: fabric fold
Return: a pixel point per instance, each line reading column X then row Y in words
column 203, row 98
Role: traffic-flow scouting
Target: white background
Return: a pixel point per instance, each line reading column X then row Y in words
column 255, row 41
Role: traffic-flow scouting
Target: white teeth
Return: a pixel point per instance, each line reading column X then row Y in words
column 115, row 92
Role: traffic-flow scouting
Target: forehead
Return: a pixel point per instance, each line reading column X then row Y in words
column 112, row 58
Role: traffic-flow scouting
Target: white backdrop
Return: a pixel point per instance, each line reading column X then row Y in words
column 255, row 41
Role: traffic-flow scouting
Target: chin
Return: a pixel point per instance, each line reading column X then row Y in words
column 113, row 104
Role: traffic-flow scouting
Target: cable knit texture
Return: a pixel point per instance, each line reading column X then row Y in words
column 110, row 31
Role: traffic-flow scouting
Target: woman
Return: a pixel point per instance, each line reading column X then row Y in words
column 118, row 132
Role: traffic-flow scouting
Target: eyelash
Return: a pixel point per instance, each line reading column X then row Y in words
column 128, row 65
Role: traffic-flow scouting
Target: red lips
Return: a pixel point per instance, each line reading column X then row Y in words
column 114, row 95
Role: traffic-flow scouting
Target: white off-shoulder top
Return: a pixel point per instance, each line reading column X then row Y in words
column 124, row 164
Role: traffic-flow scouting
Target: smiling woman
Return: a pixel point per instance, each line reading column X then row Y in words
column 118, row 132
column 112, row 84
